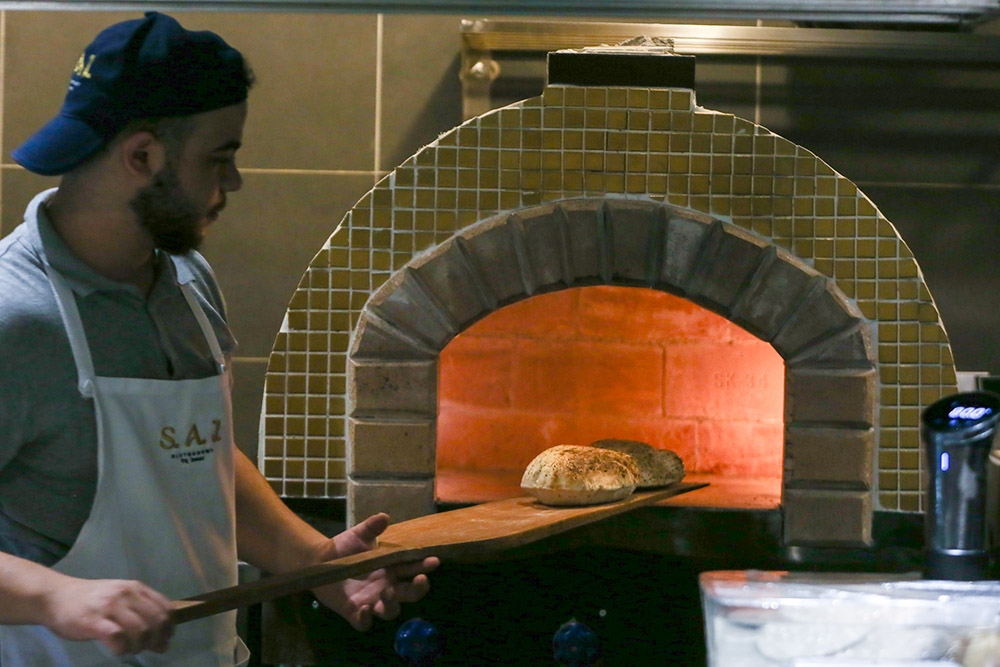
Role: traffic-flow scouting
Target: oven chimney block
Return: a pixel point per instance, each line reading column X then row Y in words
column 641, row 62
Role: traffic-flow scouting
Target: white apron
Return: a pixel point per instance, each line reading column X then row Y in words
column 164, row 509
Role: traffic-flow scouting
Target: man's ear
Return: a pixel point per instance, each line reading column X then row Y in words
column 142, row 154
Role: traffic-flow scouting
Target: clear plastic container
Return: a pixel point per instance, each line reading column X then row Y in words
column 767, row 619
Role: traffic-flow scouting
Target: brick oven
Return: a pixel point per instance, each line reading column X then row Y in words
column 625, row 189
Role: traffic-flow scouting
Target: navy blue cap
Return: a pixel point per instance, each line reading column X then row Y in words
column 144, row 68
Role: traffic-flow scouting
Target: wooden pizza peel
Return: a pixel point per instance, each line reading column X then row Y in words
column 461, row 534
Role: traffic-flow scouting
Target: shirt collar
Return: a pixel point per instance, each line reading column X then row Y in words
column 81, row 277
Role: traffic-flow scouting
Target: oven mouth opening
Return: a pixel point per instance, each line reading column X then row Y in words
column 587, row 363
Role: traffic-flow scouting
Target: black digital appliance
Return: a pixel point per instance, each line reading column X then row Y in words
column 962, row 451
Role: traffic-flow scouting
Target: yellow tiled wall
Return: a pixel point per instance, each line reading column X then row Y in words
column 576, row 142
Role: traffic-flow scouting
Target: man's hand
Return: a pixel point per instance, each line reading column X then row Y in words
column 275, row 539
column 126, row 616
column 380, row 593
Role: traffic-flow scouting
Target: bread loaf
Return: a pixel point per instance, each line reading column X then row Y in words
column 578, row 475
column 657, row 467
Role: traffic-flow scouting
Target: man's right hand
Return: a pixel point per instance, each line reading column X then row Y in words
column 126, row 616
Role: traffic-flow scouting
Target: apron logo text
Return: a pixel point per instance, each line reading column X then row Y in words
column 192, row 456
column 168, row 436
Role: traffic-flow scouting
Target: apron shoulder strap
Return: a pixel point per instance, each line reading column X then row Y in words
column 70, row 314
column 206, row 326
column 74, row 330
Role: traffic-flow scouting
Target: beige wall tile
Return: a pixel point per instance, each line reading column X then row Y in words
column 421, row 91
column 19, row 187
column 314, row 103
column 313, row 106
column 39, row 52
column 263, row 242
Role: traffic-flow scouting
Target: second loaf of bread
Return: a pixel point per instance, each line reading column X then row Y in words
column 657, row 467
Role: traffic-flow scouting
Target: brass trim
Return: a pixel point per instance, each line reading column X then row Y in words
column 694, row 39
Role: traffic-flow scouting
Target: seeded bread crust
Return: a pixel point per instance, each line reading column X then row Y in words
column 657, row 467
column 579, row 475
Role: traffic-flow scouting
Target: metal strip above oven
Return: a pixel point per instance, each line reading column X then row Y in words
column 695, row 39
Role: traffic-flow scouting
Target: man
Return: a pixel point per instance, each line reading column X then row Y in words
column 120, row 486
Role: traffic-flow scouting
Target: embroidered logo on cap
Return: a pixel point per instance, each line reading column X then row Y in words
column 83, row 65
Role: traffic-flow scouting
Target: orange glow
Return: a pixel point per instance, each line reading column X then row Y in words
column 609, row 362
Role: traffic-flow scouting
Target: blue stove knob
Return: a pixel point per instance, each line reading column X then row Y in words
column 418, row 642
column 576, row 645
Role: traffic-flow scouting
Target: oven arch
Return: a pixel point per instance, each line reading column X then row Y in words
column 830, row 397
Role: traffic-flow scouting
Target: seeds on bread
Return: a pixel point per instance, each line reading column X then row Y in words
column 580, row 475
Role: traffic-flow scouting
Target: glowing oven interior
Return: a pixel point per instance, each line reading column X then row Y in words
column 580, row 364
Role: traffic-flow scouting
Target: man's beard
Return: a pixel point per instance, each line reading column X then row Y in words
column 166, row 212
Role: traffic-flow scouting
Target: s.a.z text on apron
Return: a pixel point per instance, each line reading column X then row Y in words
column 191, row 443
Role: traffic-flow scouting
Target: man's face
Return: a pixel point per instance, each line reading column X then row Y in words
column 168, row 214
column 189, row 192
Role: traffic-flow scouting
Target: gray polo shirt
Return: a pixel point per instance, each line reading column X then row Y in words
column 48, row 437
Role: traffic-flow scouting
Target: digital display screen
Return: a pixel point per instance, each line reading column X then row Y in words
column 962, row 411
column 969, row 412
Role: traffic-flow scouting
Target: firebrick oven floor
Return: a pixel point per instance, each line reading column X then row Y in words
column 464, row 486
